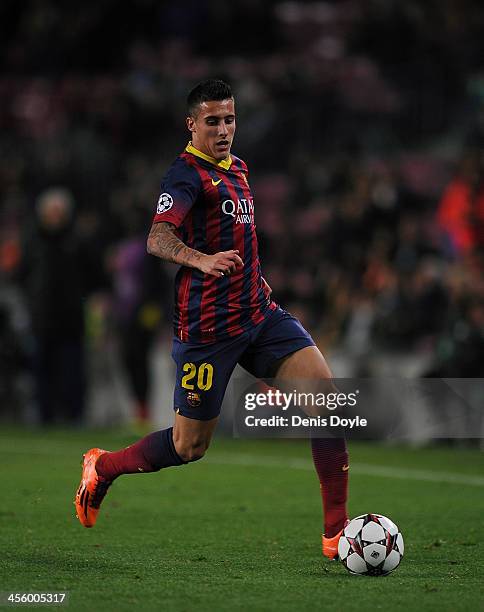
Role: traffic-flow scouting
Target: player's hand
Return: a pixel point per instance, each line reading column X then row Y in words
column 221, row 264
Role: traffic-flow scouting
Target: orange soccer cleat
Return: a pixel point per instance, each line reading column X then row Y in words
column 330, row 545
column 92, row 489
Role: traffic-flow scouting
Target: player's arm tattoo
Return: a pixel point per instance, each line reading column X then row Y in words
column 163, row 243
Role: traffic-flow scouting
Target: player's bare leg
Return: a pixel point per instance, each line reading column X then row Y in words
column 330, row 455
column 186, row 441
column 305, row 363
column 192, row 437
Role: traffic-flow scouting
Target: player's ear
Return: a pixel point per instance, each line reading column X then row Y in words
column 191, row 124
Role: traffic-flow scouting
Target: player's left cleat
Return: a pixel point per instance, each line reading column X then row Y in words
column 92, row 489
column 330, row 545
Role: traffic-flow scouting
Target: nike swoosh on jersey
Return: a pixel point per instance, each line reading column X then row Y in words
column 345, row 468
column 215, row 183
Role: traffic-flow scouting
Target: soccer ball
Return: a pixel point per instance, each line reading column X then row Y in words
column 371, row 545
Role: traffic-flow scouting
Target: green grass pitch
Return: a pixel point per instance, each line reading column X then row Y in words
column 238, row 530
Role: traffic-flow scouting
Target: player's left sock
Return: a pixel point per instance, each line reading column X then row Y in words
column 330, row 458
column 150, row 454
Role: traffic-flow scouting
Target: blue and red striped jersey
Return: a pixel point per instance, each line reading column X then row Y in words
column 211, row 205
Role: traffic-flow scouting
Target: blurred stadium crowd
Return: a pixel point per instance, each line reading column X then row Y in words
column 362, row 123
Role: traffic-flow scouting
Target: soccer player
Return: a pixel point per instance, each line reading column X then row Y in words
column 224, row 314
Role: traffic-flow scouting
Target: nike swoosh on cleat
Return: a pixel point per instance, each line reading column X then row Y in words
column 215, row 183
column 85, row 501
column 81, row 497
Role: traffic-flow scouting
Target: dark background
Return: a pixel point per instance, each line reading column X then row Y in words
column 362, row 124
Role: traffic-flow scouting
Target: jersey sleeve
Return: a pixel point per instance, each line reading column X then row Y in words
column 179, row 191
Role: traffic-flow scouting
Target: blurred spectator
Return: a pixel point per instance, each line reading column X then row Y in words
column 460, row 350
column 461, row 209
column 139, row 290
column 56, row 273
column 12, row 360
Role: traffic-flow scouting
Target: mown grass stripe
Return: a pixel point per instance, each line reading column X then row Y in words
column 59, row 447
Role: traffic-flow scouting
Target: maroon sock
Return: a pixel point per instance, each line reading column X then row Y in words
column 331, row 462
column 149, row 454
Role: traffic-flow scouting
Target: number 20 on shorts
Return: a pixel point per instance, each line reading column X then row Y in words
column 203, row 375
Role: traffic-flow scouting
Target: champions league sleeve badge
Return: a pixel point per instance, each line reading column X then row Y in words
column 165, row 202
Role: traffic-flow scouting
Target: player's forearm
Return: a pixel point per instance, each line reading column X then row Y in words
column 163, row 243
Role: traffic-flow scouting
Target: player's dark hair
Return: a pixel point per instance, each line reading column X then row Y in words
column 206, row 91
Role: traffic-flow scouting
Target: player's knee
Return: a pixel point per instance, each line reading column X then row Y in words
column 192, row 451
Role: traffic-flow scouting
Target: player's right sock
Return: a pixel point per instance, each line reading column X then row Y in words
column 330, row 458
column 150, row 454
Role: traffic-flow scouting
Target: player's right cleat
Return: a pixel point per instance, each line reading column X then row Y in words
column 330, row 545
column 92, row 489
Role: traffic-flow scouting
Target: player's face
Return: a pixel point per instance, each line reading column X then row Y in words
column 213, row 128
